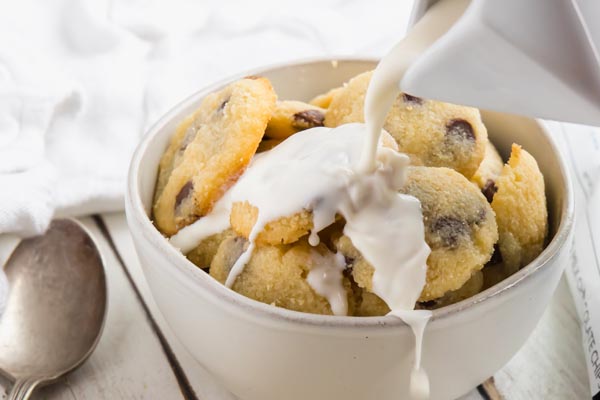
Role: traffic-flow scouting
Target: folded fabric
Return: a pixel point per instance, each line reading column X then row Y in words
column 80, row 81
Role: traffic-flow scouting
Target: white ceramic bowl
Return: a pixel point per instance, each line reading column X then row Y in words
column 261, row 352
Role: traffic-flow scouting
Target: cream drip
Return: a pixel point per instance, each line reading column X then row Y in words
column 417, row 320
column 326, row 280
column 216, row 222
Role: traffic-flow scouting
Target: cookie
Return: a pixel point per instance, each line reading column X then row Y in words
column 520, row 206
column 370, row 305
column 432, row 133
column 292, row 116
column 473, row 286
column 490, row 168
column 214, row 151
column 362, row 271
column 267, row 144
column 460, row 229
column 277, row 274
column 281, row 231
column 173, row 155
column 494, row 273
column 324, row 100
column 203, row 254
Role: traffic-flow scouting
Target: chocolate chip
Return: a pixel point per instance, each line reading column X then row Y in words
column 450, row 230
column 308, row 119
column 461, row 129
column 222, row 106
column 183, row 193
column 481, row 216
column 428, row 305
column 489, row 190
column 411, row 99
column 349, row 261
column 347, row 272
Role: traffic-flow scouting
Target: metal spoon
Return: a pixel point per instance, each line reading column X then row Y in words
column 56, row 306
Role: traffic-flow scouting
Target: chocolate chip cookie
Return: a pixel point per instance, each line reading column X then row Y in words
column 490, row 168
column 520, row 206
column 469, row 289
column 460, row 227
column 203, row 254
column 277, row 275
column 281, row 231
column 206, row 158
column 432, row 133
column 324, row 100
column 291, row 116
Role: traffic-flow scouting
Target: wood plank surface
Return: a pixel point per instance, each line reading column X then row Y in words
column 551, row 364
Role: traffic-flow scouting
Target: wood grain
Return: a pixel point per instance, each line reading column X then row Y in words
column 551, row 363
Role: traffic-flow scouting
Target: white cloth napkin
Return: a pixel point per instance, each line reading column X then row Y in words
column 80, row 81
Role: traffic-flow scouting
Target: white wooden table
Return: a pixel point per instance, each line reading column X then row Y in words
column 138, row 356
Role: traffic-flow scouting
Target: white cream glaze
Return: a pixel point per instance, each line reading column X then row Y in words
column 216, row 222
column 417, row 320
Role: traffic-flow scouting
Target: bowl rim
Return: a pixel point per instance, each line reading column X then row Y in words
column 196, row 279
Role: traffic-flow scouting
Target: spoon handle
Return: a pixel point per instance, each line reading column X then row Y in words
column 23, row 388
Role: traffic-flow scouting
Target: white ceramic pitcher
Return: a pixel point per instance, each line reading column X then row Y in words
column 538, row 58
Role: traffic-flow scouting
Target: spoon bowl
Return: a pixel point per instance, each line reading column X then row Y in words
column 56, row 306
